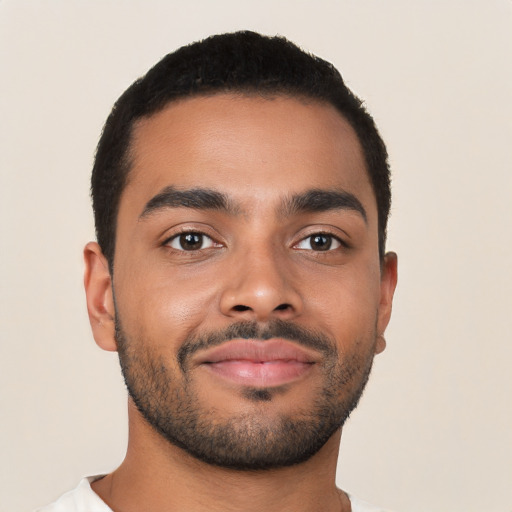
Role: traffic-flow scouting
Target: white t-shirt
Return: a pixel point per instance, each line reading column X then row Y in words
column 80, row 499
column 84, row 499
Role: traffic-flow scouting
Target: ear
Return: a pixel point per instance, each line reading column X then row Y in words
column 100, row 299
column 388, row 281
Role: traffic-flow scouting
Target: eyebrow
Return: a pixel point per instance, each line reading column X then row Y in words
column 310, row 201
column 195, row 198
column 319, row 200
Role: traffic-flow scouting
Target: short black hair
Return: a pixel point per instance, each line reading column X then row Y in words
column 241, row 62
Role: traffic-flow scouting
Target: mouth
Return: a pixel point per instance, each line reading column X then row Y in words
column 257, row 363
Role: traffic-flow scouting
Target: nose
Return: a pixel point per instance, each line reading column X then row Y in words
column 260, row 287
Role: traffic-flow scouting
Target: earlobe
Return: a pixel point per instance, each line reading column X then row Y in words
column 380, row 344
column 100, row 300
column 389, row 275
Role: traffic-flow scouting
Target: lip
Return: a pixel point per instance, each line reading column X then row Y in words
column 258, row 363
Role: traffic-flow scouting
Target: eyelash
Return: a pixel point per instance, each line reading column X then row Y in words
column 179, row 239
column 330, row 238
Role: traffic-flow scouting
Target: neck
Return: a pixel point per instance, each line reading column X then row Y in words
column 160, row 477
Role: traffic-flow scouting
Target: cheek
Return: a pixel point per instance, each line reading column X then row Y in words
column 348, row 302
column 164, row 307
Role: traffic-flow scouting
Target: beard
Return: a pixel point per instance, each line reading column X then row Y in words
column 168, row 400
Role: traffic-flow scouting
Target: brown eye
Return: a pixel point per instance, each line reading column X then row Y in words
column 319, row 242
column 190, row 242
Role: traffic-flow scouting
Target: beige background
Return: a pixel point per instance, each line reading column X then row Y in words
column 434, row 430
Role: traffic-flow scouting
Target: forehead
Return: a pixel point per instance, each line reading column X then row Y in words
column 251, row 148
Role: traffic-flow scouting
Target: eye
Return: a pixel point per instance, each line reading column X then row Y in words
column 319, row 242
column 190, row 241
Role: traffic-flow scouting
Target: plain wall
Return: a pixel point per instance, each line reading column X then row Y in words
column 434, row 429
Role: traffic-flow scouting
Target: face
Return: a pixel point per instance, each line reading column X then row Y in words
column 249, row 295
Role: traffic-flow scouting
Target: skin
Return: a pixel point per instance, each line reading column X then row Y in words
column 260, row 266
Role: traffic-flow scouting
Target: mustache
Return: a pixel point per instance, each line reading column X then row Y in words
column 252, row 330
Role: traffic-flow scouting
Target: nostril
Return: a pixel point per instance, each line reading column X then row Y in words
column 282, row 307
column 241, row 308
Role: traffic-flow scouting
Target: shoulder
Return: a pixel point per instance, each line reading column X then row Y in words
column 361, row 506
column 80, row 499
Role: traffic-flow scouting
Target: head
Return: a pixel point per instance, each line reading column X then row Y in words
column 240, row 63
column 241, row 195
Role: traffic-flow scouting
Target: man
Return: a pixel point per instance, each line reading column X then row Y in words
column 241, row 195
